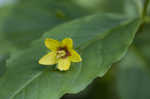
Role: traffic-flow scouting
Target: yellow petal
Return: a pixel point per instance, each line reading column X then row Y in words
column 52, row 44
column 49, row 59
column 75, row 57
column 64, row 64
column 68, row 42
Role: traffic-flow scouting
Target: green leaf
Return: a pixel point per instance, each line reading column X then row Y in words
column 142, row 41
column 134, row 8
column 103, row 5
column 135, row 70
column 29, row 19
column 3, row 59
column 100, row 39
column 133, row 77
column 5, row 45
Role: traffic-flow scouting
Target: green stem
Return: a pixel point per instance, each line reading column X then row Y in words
column 145, row 8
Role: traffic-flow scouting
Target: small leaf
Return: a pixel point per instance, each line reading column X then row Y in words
column 100, row 39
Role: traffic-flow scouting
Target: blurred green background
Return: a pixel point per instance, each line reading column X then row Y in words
column 22, row 21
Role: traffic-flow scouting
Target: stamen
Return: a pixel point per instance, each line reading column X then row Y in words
column 61, row 54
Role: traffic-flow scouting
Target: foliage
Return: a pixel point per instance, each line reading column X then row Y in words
column 102, row 34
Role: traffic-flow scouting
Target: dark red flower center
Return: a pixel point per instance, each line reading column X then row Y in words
column 63, row 52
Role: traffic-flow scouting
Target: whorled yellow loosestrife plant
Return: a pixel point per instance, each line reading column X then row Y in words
column 62, row 54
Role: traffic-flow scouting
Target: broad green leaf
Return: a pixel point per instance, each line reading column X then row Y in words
column 29, row 19
column 134, row 8
column 133, row 77
column 131, row 8
column 3, row 59
column 103, row 5
column 100, row 39
column 5, row 45
column 142, row 41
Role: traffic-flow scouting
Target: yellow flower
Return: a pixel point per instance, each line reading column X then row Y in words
column 62, row 54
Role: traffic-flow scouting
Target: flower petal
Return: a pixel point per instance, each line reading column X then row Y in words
column 52, row 44
column 64, row 64
column 49, row 59
column 75, row 57
column 68, row 42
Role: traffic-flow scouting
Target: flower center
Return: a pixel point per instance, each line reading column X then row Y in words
column 62, row 53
